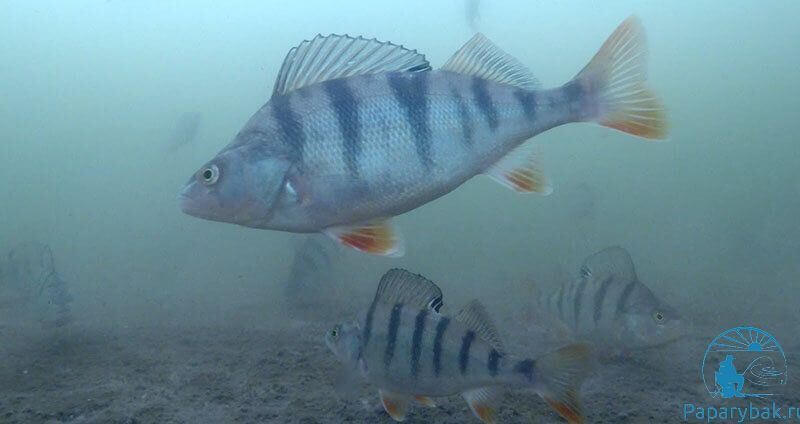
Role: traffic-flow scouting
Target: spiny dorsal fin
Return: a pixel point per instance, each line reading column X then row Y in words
column 482, row 58
column 328, row 57
column 611, row 262
column 475, row 317
column 401, row 286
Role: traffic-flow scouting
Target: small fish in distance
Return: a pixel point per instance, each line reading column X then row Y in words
column 609, row 306
column 358, row 131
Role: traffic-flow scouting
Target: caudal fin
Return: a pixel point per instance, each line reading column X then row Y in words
column 615, row 79
column 557, row 377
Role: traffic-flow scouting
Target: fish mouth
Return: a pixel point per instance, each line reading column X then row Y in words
column 188, row 203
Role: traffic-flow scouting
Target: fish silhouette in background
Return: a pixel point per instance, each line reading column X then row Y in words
column 29, row 279
column 185, row 132
column 313, row 279
column 358, row 131
column 472, row 12
column 609, row 306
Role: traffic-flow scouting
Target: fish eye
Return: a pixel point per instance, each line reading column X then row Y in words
column 334, row 333
column 208, row 175
column 658, row 316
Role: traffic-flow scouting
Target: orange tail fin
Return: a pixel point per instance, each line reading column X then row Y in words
column 615, row 78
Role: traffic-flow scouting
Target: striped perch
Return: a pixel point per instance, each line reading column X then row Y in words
column 410, row 351
column 358, row 131
column 609, row 306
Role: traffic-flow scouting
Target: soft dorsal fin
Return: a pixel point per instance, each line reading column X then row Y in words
column 475, row 317
column 482, row 58
column 611, row 262
column 328, row 57
column 401, row 286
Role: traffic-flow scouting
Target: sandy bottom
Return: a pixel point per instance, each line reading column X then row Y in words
column 236, row 375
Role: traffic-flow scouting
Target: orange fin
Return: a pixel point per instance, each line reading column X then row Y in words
column 615, row 79
column 377, row 237
column 567, row 410
column 395, row 404
column 519, row 170
column 483, row 403
column 425, row 401
column 558, row 375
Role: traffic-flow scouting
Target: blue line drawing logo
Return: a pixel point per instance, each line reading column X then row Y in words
column 744, row 362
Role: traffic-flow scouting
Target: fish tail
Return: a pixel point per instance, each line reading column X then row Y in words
column 557, row 376
column 614, row 85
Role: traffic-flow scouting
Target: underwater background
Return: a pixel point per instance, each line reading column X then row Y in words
column 107, row 106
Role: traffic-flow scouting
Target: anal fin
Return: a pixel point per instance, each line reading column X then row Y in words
column 483, row 403
column 378, row 237
column 519, row 170
column 424, row 400
column 395, row 404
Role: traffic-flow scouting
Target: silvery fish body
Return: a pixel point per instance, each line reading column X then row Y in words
column 358, row 131
column 608, row 305
column 409, row 350
column 380, row 145
column 417, row 350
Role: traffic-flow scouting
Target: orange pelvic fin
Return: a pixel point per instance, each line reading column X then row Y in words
column 377, row 237
column 395, row 404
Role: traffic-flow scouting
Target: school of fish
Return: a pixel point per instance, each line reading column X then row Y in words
column 358, row 131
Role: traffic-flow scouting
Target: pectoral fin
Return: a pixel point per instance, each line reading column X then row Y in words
column 395, row 404
column 378, row 237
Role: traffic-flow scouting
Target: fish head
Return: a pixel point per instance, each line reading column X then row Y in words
column 652, row 323
column 241, row 185
column 344, row 340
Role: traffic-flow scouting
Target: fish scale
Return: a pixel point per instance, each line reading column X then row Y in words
column 408, row 349
column 359, row 131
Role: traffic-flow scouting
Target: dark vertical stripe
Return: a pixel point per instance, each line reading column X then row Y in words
column 527, row 99
column 416, row 340
column 345, row 106
column 463, row 354
column 391, row 336
column 576, row 307
column 599, row 297
column 623, row 298
column 494, row 359
column 410, row 91
column 368, row 325
column 484, row 101
column 573, row 95
column 561, row 303
column 463, row 115
column 291, row 129
column 437, row 344
column 573, row 92
column 525, row 368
